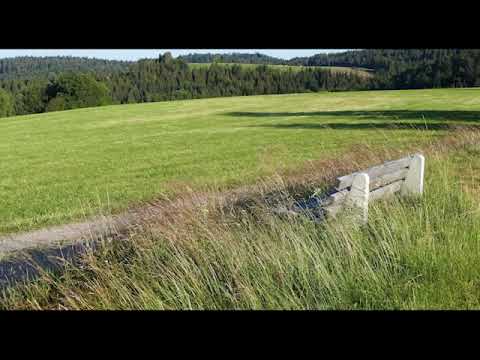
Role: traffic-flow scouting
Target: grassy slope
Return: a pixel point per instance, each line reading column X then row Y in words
column 361, row 71
column 59, row 166
column 414, row 254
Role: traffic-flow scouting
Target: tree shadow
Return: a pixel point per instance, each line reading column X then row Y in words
column 362, row 126
column 428, row 115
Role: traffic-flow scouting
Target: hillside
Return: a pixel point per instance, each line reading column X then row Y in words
column 62, row 166
column 346, row 181
column 379, row 59
column 162, row 79
column 295, row 68
column 394, row 68
column 237, row 58
column 37, row 85
column 408, row 68
column 29, row 67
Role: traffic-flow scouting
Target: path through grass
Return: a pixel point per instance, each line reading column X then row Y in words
column 415, row 253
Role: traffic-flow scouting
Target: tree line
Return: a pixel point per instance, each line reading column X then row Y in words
column 238, row 58
column 161, row 79
column 408, row 68
column 394, row 68
column 33, row 85
column 26, row 67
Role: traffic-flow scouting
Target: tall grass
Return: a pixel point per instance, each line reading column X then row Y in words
column 415, row 253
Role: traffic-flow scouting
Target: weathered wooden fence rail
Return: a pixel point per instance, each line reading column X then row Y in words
column 358, row 189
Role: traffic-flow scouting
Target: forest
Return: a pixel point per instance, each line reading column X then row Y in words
column 394, row 68
column 239, row 58
column 151, row 80
column 34, row 85
column 26, row 67
column 408, row 68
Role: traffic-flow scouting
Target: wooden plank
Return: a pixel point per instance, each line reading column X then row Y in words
column 388, row 178
column 386, row 191
column 373, row 172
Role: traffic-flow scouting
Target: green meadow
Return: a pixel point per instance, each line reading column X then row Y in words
column 61, row 166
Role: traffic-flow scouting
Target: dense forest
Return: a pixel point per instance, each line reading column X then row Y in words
column 34, row 85
column 409, row 68
column 394, row 68
column 30, row 66
column 160, row 79
column 238, row 58
column 378, row 59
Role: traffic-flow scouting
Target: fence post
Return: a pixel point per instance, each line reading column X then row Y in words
column 358, row 195
column 413, row 184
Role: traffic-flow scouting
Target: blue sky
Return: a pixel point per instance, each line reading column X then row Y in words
column 135, row 54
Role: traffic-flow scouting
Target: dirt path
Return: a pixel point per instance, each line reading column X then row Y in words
column 23, row 254
column 99, row 227
column 70, row 233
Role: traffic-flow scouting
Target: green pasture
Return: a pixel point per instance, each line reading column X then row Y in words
column 61, row 166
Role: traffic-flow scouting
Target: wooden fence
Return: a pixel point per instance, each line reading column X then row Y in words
column 358, row 189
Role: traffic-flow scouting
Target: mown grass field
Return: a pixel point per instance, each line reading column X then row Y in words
column 58, row 167
column 360, row 71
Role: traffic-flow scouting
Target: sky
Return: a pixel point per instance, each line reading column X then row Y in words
column 135, row 54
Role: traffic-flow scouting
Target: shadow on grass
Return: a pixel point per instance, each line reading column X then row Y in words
column 361, row 126
column 428, row 115
column 29, row 264
column 32, row 262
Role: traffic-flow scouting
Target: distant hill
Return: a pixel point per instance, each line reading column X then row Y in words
column 29, row 66
column 408, row 68
column 392, row 68
column 296, row 68
column 32, row 84
column 378, row 59
column 238, row 58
